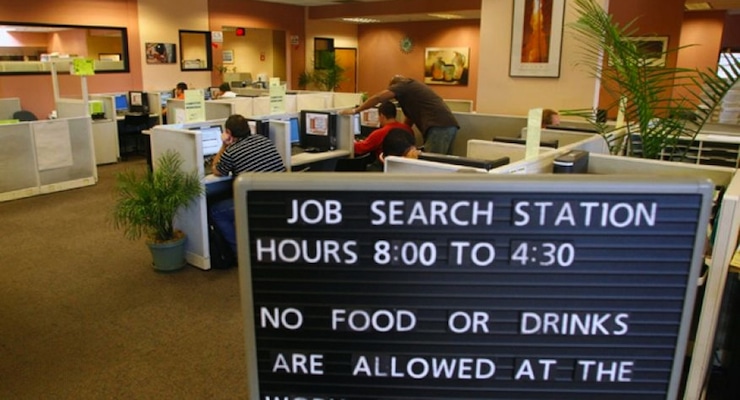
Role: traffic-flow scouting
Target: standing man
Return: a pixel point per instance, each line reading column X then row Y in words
column 422, row 107
column 240, row 152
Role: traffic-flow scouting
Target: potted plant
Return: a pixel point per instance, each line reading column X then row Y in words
column 330, row 75
column 146, row 205
column 661, row 104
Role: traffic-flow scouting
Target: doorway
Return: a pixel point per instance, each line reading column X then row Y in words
column 347, row 59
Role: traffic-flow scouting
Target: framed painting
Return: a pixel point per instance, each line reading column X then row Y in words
column 446, row 65
column 536, row 38
column 654, row 48
column 160, row 53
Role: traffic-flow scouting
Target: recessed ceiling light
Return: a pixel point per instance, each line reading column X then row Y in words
column 697, row 6
column 446, row 16
column 361, row 20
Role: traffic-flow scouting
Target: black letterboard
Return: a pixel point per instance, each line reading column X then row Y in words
column 492, row 293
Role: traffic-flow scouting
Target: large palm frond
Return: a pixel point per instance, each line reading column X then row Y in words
column 657, row 114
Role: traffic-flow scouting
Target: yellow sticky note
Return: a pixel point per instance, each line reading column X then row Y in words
column 83, row 66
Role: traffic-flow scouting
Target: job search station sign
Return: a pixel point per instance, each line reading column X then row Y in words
column 374, row 286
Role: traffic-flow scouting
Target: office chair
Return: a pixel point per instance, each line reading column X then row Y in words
column 356, row 164
column 24, row 115
column 130, row 136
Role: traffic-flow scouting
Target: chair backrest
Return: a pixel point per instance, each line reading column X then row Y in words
column 354, row 164
column 24, row 115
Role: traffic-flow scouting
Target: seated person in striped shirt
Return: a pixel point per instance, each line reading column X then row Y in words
column 240, row 152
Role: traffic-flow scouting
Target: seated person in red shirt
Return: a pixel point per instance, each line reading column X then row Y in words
column 387, row 119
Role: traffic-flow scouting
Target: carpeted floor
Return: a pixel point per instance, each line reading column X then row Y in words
column 84, row 316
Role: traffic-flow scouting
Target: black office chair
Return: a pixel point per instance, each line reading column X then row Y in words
column 24, row 115
column 356, row 164
column 130, row 137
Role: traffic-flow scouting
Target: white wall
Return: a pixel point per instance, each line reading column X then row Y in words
column 161, row 22
column 498, row 93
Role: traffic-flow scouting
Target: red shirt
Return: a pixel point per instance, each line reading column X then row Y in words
column 374, row 141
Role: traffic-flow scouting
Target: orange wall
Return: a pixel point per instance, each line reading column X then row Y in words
column 380, row 56
column 660, row 18
column 35, row 91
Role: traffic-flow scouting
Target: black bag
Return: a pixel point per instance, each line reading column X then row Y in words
column 222, row 257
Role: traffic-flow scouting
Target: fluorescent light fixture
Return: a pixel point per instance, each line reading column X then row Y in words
column 446, row 16
column 697, row 6
column 361, row 20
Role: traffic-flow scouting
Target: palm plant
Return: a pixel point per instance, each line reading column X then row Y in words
column 645, row 93
column 146, row 205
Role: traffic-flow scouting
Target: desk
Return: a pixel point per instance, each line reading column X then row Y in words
column 323, row 161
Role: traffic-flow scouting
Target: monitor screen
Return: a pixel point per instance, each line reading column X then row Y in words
column 121, row 102
column 138, row 101
column 318, row 129
column 464, row 161
column 317, row 123
column 523, row 142
column 210, row 137
column 369, row 117
column 356, row 125
column 165, row 96
column 295, row 131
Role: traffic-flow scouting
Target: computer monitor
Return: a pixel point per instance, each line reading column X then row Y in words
column 295, row 131
column 356, row 124
column 138, row 102
column 464, row 161
column 121, row 101
column 369, row 118
column 210, row 137
column 523, row 142
column 164, row 96
column 259, row 127
column 319, row 130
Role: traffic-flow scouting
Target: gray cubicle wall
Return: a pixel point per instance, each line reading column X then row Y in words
column 485, row 127
column 8, row 106
column 46, row 156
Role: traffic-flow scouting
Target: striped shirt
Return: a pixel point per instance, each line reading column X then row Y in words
column 254, row 153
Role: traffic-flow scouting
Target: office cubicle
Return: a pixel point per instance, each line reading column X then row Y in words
column 189, row 144
column 46, row 156
column 485, row 127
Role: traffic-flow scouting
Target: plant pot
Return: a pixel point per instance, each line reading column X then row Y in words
column 168, row 256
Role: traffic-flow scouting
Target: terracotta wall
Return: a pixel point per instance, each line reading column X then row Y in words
column 35, row 91
column 380, row 55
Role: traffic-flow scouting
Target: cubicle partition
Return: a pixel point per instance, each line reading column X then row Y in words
column 8, row 106
column 485, row 127
column 46, row 156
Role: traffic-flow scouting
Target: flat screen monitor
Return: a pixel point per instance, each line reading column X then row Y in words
column 318, row 129
column 121, row 101
column 295, row 131
column 164, row 96
column 138, row 102
column 356, row 124
column 259, row 127
column 210, row 138
column 464, row 161
column 369, row 118
column 523, row 142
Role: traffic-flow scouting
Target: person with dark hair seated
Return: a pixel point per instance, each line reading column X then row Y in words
column 180, row 90
column 374, row 141
column 240, row 152
column 550, row 117
column 399, row 143
column 224, row 91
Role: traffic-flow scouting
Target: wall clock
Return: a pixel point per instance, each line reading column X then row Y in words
column 407, row 44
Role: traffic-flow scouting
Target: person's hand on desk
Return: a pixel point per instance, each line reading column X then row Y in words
column 348, row 111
